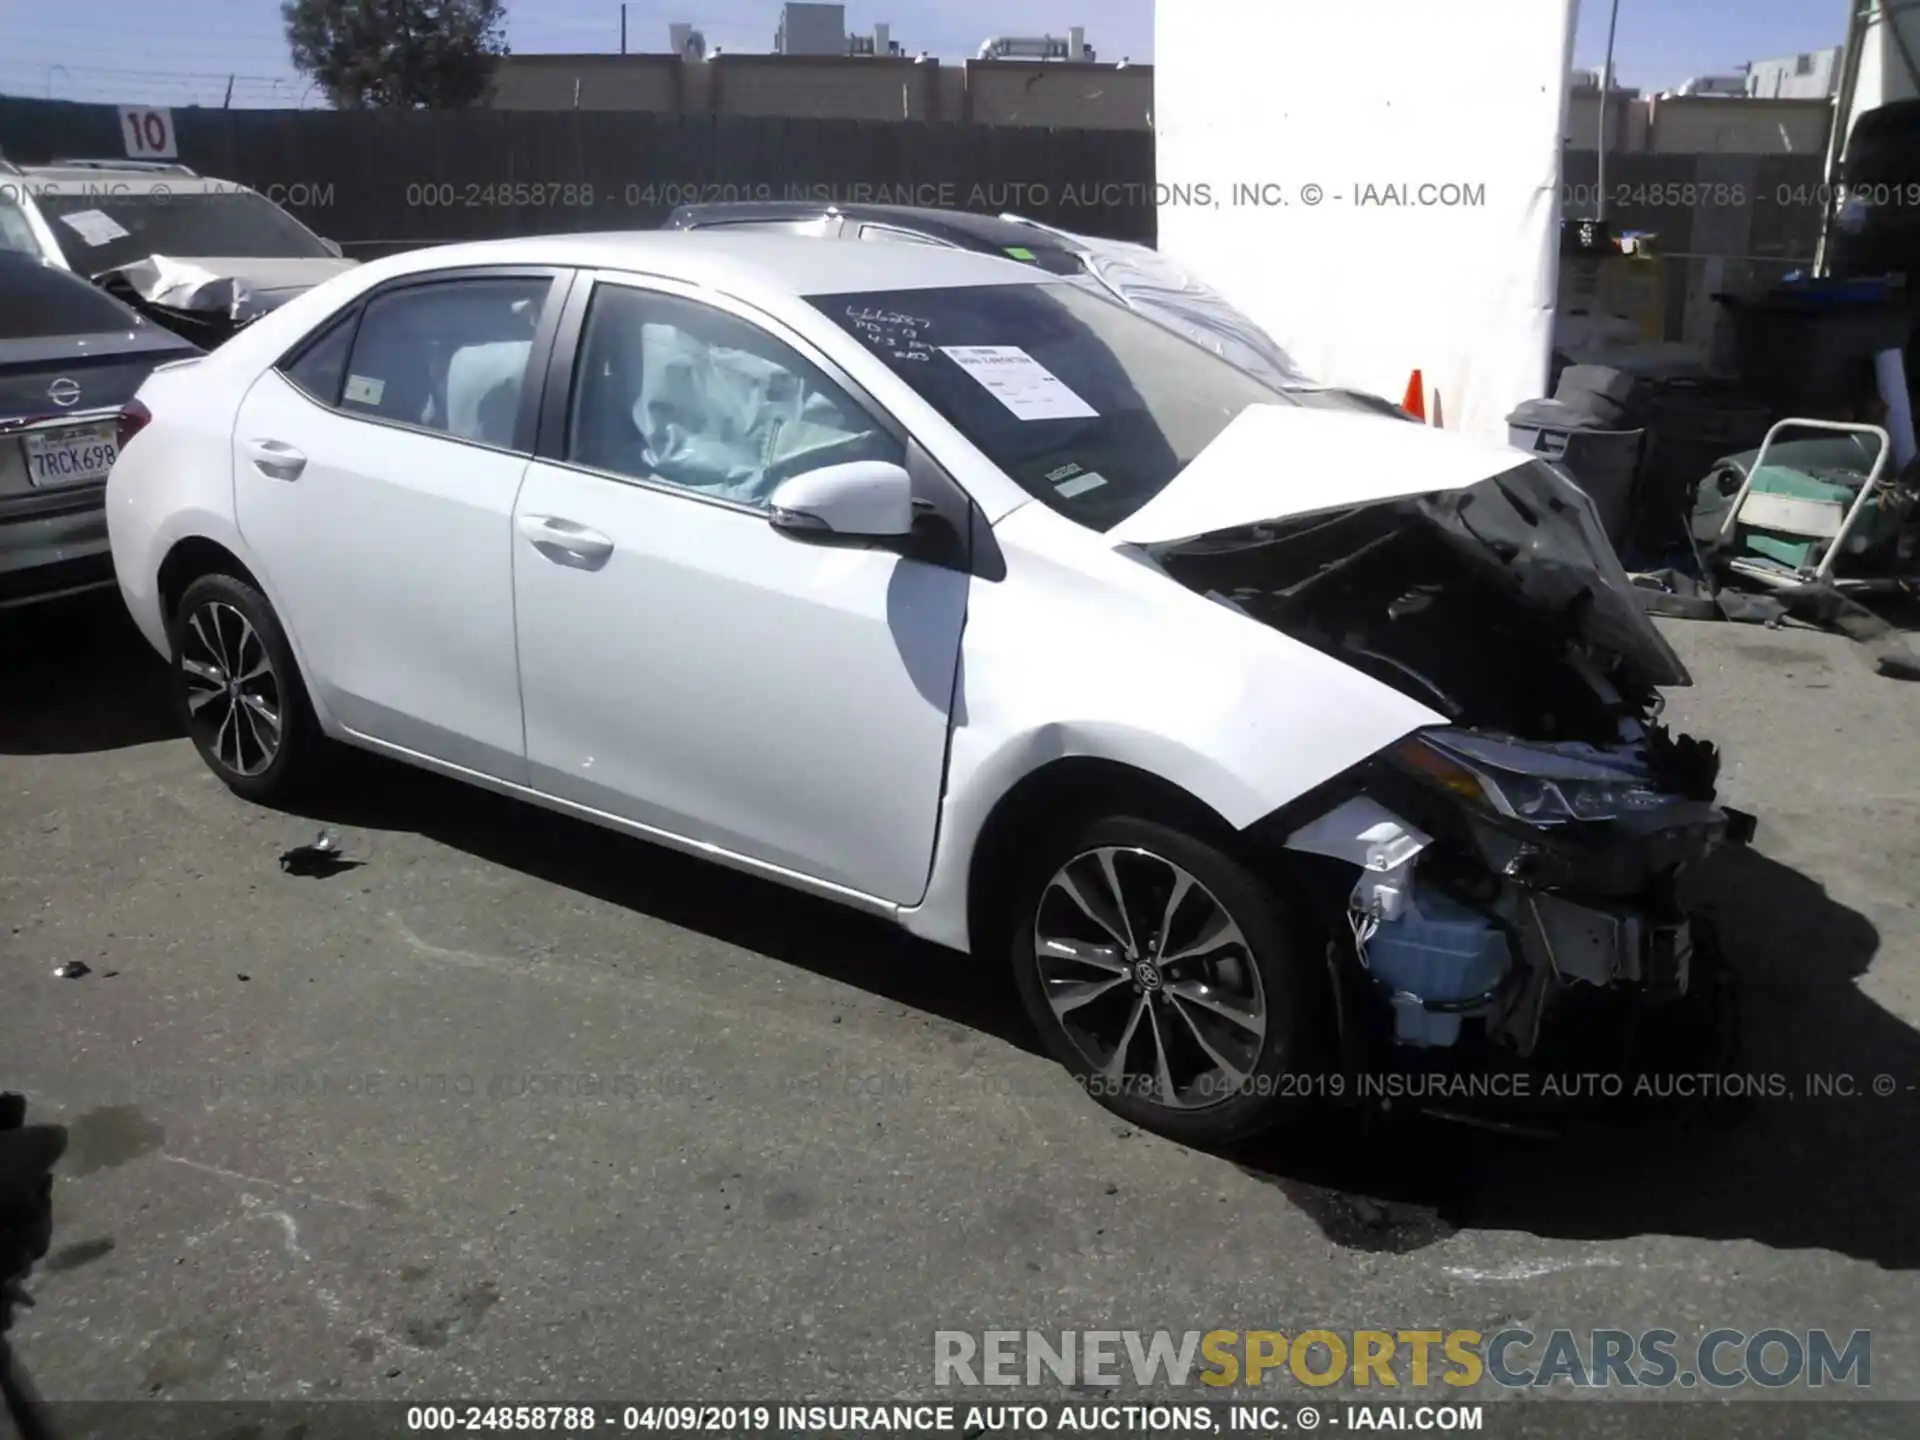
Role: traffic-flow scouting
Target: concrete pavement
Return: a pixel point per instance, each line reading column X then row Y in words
column 516, row 1108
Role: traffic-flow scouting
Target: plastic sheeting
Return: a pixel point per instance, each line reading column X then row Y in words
column 1376, row 186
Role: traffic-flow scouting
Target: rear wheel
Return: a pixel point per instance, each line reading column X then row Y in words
column 1167, row 978
column 238, row 691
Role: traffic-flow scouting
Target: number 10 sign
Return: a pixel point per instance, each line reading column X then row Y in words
column 148, row 133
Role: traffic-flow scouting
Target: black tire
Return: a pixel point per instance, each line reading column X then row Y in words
column 219, row 618
column 1275, row 1072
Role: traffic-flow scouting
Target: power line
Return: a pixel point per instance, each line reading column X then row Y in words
column 144, row 74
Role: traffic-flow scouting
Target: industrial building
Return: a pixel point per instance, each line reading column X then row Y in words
column 818, row 69
column 1812, row 76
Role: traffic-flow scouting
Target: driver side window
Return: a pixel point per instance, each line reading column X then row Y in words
column 676, row 392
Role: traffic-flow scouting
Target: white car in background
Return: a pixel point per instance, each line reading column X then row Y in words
column 200, row 254
column 1256, row 731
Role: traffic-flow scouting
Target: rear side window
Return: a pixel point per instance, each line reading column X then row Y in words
column 448, row 355
column 322, row 366
column 43, row 299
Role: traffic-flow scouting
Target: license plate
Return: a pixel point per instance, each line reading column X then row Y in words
column 70, row 456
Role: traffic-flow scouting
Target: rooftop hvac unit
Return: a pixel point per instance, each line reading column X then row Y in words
column 688, row 43
column 1714, row 85
column 1073, row 46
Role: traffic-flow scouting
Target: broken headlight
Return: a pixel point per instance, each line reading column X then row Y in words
column 1538, row 784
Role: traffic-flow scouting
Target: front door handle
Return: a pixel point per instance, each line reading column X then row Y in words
column 566, row 543
column 276, row 459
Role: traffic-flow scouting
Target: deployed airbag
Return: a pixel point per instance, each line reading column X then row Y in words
column 734, row 424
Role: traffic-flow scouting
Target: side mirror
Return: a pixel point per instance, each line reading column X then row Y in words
column 333, row 248
column 869, row 498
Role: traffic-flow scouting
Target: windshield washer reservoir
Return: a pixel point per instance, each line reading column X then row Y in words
column 1435, row 952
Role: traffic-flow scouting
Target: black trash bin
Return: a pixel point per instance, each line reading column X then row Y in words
column 1602, row 461
column 1691, row 424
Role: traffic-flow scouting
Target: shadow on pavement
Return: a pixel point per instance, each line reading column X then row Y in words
column 827, row 939
column 1783, row 1164
column 80, row 679
column 1790, row 1170
column 1796, row 1171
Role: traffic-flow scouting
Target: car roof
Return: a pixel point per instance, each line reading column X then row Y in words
column 959, row 226
column 786, row 264
column 131, row 179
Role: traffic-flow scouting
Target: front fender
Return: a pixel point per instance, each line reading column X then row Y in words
column 1098, row 655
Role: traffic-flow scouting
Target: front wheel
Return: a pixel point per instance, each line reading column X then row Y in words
column 239, row 693
column 1168, row 979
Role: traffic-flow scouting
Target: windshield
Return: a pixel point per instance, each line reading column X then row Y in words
column 1089, row 407
column 105, row 231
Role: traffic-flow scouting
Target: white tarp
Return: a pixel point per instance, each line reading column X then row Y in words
column 1376, row 185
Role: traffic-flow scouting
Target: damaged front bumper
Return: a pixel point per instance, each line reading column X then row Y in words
column 1481, row 888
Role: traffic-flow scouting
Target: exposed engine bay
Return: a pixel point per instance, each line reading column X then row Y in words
column 1483, row 876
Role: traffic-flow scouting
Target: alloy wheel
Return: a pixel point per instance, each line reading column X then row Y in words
column 234, row 697
column 1150, row 978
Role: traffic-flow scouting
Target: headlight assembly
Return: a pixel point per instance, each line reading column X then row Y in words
column 1538, row 784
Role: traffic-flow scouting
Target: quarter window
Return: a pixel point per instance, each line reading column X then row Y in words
column 449, row 356
column 677, row 392
column 322, row 366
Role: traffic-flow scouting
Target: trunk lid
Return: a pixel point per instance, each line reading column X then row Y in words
column 58, row 401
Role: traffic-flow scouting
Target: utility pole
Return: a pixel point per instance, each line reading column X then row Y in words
column 227, row 104
column 623, row 29
column 1606, row 98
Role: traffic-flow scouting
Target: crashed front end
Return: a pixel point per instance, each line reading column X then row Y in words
column 1496, row 885
column 191, row 301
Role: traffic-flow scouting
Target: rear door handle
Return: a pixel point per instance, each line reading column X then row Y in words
column 276, row 459
column 566, row 543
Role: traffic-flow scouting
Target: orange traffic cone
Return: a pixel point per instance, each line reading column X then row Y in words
column 1416, row 402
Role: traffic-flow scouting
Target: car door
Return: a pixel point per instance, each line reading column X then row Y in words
column 684, row 665
column 375, row 471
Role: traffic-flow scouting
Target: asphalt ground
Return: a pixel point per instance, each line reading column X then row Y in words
column 516, row 1108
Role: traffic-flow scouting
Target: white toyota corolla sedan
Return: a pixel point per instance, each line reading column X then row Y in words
column 1270, row 737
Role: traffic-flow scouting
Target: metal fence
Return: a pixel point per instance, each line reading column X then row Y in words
column 377, row 180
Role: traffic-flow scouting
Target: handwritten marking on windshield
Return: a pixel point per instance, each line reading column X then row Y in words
column 890, row 331
column 866, row 315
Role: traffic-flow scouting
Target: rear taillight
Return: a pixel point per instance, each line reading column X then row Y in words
column 133, row 419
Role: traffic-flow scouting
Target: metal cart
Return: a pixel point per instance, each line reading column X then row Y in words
column 1819, row 520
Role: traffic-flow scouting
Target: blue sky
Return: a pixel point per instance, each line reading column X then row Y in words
column 181, row 51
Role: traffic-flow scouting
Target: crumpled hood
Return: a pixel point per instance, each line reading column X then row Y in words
column 1517, row 519
column 1279, row 461
column 224, row 283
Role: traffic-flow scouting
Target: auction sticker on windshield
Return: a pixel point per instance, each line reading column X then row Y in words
column 69, row 456
column 1020, row 382
column 96, row 227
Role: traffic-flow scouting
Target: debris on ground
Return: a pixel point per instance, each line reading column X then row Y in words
column 73, row 970
column 317, row 860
